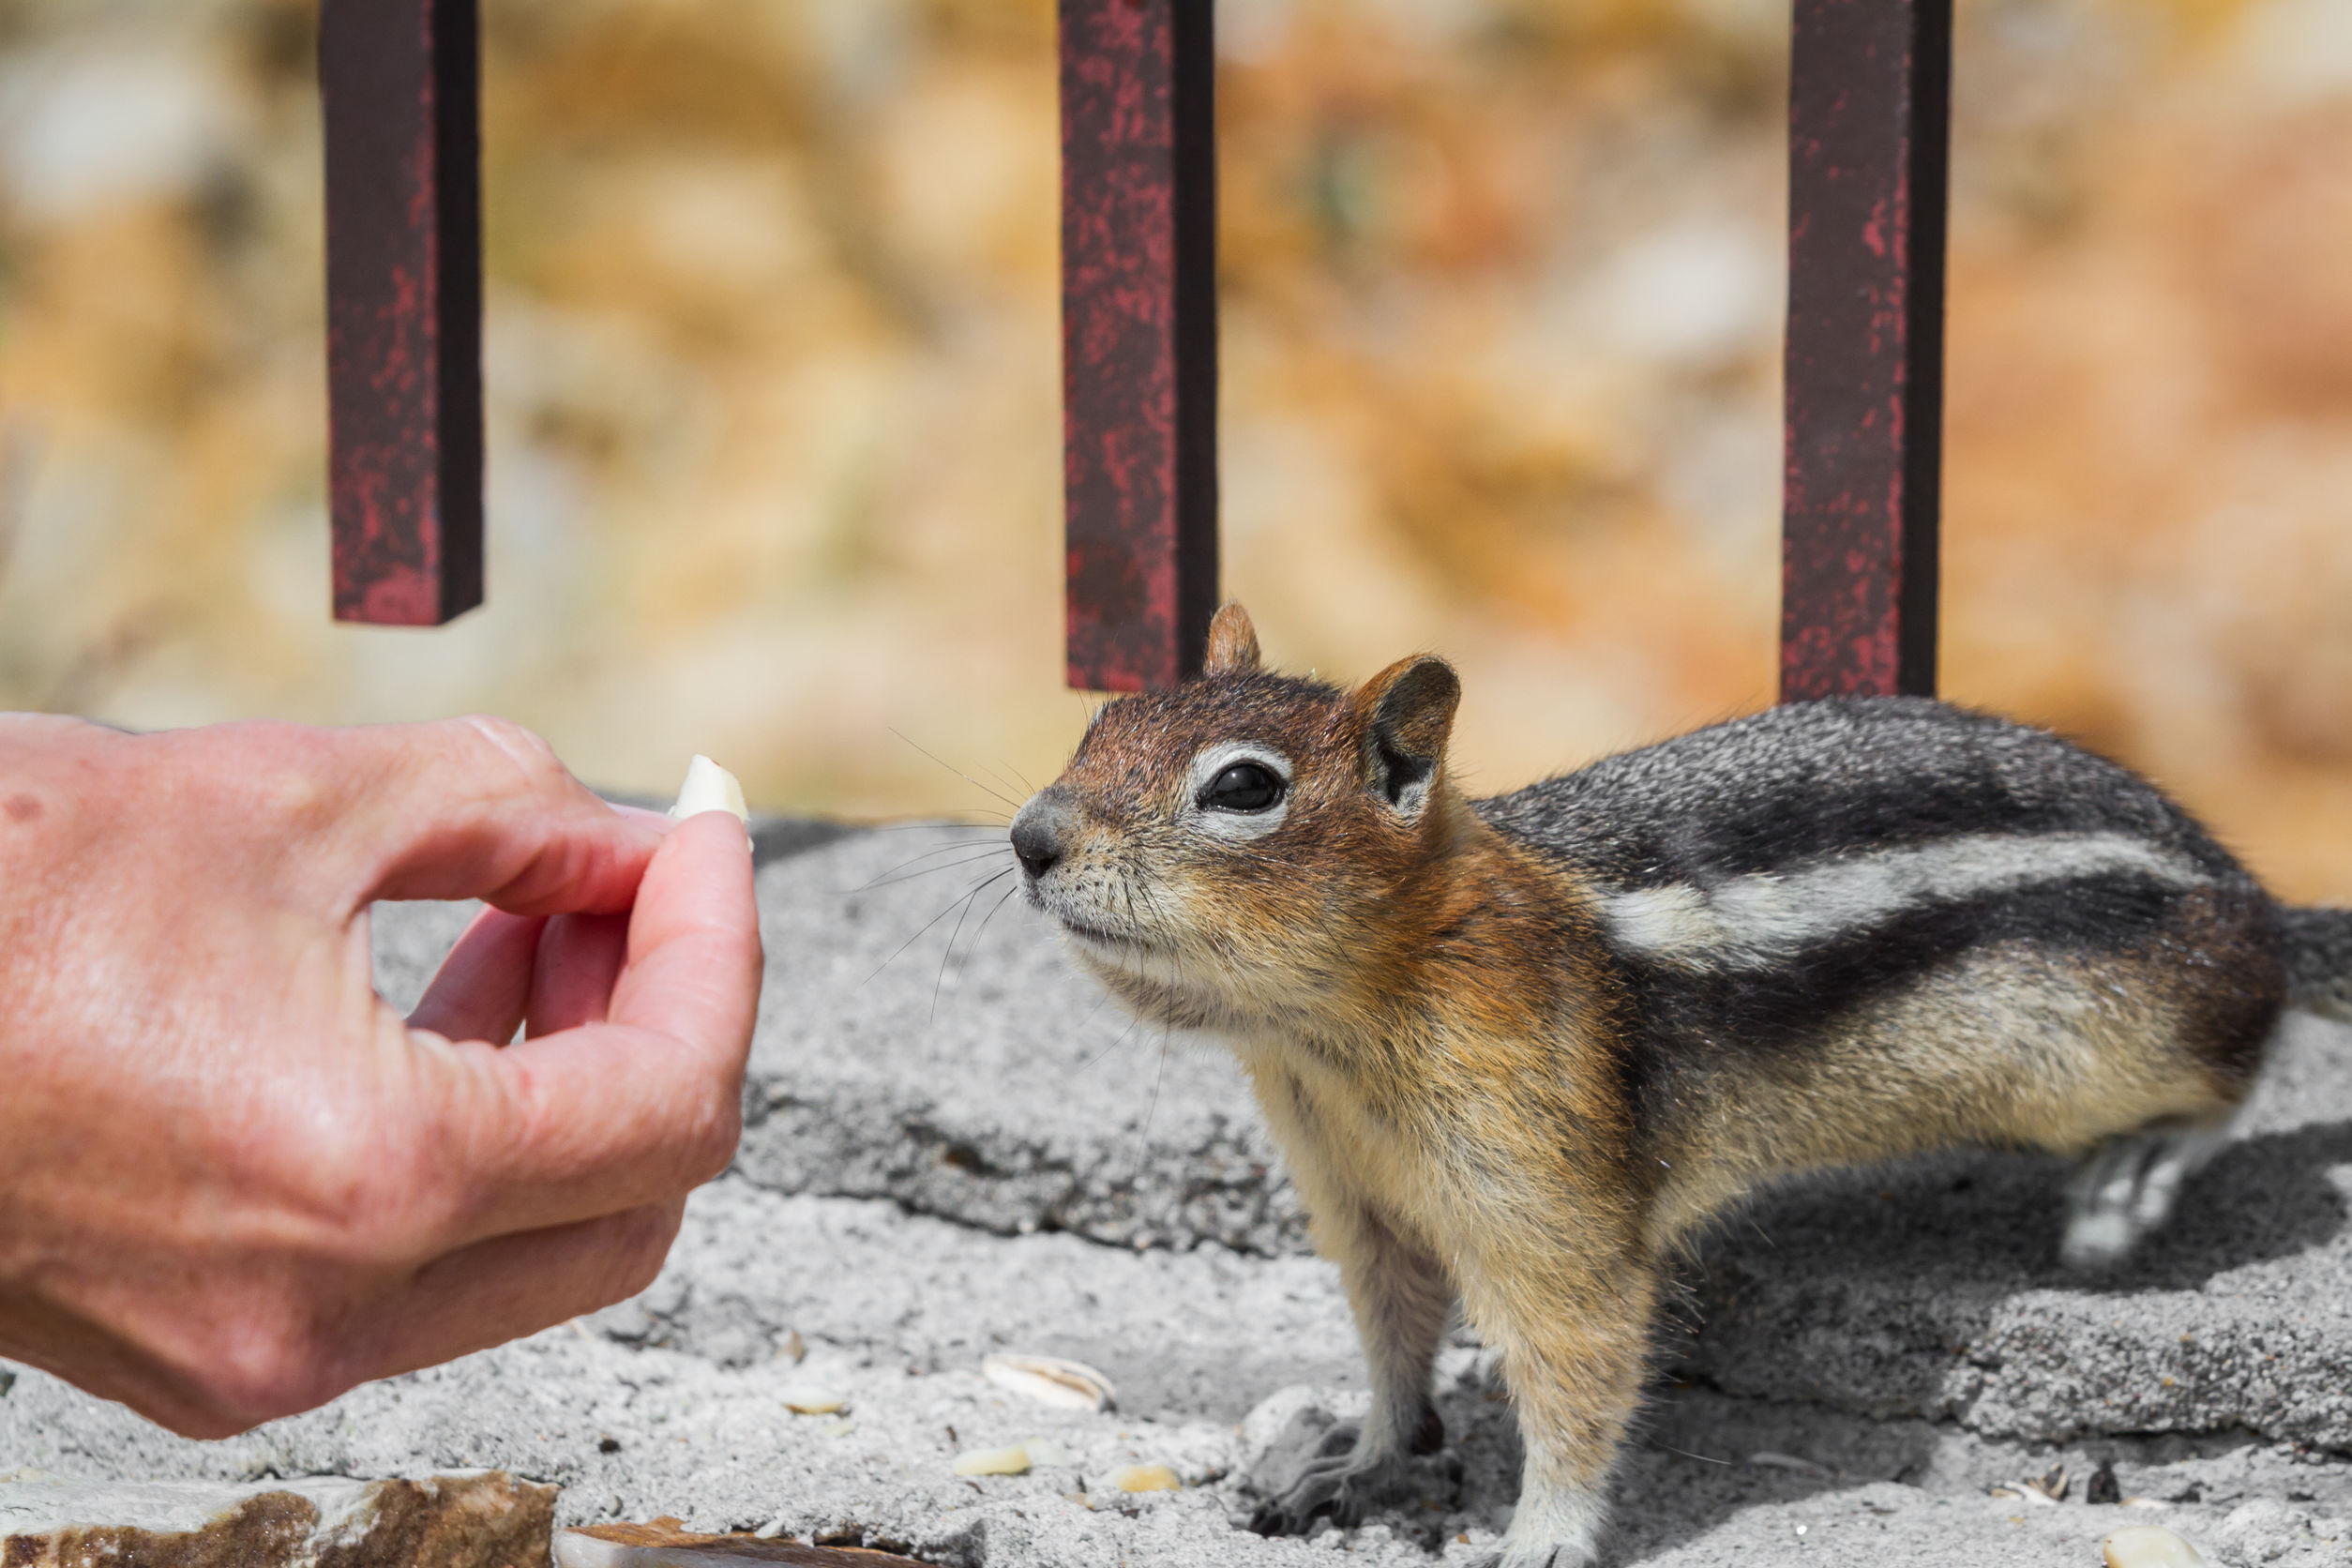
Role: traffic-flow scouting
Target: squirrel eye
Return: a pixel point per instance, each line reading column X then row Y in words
column 1243, row 786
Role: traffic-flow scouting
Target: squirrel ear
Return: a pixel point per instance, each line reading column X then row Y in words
column 1232, row 644
column 1407, row 712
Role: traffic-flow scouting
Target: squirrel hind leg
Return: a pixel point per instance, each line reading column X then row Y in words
column 2128, row 1187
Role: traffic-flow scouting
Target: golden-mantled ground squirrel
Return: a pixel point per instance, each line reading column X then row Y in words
column 1518, row 1051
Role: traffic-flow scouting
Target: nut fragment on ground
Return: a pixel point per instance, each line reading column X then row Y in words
column 662, row 1546
column 2150, row 1546
column 816, row 1401
column 994, row 1461
column 1143, row 1478
column 1069, row 1385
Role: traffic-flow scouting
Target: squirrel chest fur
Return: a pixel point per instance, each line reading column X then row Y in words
column 1518, row 1051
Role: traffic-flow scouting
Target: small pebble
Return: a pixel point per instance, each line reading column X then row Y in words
column 994, row 1461
column 2150, row 1546
column 1143, row 1478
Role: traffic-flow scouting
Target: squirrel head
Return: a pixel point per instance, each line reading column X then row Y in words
column 1249, row 843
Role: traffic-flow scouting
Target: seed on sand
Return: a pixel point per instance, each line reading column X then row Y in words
column 2150, row 1546
column 1143, row 1478
column 816, row 1401
column 994, row 1461
column 1068, row 1385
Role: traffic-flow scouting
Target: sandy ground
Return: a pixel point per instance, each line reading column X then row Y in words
column 950, row 1157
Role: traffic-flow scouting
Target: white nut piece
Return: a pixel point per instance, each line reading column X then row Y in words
column 994, row 1461
column 709, row 787
column 1144, row 1478
column 2150, row 1546
column 816, row 1401
column 1068, row 1385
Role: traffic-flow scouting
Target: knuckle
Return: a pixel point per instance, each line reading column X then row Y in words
column 376, row 1200
column 276, row 772
column 272, row 1360
column 638, row 1252
column 508, row 749
column 709, row 1146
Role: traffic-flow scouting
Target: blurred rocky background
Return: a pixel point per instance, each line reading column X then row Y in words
column 772, row 376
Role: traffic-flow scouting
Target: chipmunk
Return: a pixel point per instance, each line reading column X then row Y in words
column 1518, row 1051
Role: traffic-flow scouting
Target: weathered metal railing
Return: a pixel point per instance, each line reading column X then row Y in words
column 404, row 306
column 1868, row 129
column 1868, row 132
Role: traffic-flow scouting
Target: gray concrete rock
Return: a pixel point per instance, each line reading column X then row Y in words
column 921, row 1039
column 953, row 1155
column 1203, row 1334
column 1933, row 1288
column 443, row 1521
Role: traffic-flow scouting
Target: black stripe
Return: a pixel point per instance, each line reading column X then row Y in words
column 1746, row 1011
column 1817, row 779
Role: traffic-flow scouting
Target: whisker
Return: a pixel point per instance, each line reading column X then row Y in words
column 941, row 979
column 1100, row 1002
column 928, row 872
column 960, row 774
column 961, row 844
column 1001, row 779
column 1143, row 1142
column 1116, row 1040
column 983, row 929
column 926, row 926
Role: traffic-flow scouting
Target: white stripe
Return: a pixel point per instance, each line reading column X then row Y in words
column 1750, row 920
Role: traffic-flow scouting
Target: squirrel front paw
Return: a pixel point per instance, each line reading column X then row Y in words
column 1336, row 1489
column 1335, row 1483
column 1556, row 1528
column 1549, row 1556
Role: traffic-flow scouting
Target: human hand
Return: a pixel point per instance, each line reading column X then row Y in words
column 234, row 1182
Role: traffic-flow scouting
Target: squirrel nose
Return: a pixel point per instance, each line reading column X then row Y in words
column 1039, row 830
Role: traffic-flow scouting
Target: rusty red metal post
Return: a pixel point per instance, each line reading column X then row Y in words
column 400, row 78
column 1139, row 338
column 1869, row 125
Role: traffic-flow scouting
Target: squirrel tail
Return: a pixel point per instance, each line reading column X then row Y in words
column 2318, row 960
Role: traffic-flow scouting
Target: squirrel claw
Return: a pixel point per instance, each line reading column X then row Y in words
column 1334, row 1487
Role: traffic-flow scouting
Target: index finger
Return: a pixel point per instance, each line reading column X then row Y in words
column 475, row 807
column 640, row 1108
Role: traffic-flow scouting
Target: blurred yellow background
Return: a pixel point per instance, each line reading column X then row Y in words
column 772, row 376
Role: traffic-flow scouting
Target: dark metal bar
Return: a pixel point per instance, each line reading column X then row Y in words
column 401, row 82
column 1139, row 338
column 1869, row 123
